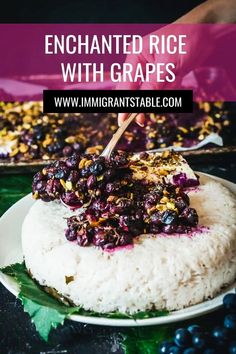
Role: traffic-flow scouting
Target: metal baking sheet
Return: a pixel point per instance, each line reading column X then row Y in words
column 205, row 154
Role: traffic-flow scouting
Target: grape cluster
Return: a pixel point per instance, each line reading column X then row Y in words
column 117, row 206
column 79, row 177
column 195, row 340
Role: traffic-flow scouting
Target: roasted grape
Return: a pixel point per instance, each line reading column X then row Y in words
column 118, row 207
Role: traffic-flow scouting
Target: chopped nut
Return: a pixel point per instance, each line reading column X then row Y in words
column 27, row 119
column 88, row 163
column 170, row 205
column 14, row 152
column 161, row 207
column 45, row 119
column 26, row 126
column 164, row 200
column 152, row 135
column 69, row 185
column 184, row 130
column 150, row 146
column 63, row 183
column 111, row 198
column 82, row 163
column 70, row 139
column 177, row 143
column 47, row 141
column 163, row 172
column 209, row 121
column 206, row 107
column 165, row 154
column 23, row 148
column 69, row 279
column 149, row 211
column 218, row 104
column 78, row 194
column 94, row 149
column 36, row 195
column 201, row 137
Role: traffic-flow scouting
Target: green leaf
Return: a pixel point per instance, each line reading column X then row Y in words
column 47, row 312
column 145, row 340
column 43, row 317
column 14, row 269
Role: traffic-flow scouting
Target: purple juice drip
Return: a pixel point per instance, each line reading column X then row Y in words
column 119, row 248
column 181, row 180
column 194, row 231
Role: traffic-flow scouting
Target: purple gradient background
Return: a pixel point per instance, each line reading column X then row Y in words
column 22, row 55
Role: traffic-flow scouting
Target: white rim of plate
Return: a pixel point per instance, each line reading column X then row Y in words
column 174, row 316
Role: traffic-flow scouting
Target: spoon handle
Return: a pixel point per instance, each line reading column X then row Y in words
column 116, row 137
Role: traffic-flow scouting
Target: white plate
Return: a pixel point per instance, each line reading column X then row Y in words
column 11, row 252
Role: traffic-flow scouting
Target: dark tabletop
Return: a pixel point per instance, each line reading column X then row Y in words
column 74, row 11
column 17, row 334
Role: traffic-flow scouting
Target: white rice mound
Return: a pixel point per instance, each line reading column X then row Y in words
column 161, row 272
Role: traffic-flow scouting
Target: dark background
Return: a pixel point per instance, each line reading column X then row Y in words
column 108, row 11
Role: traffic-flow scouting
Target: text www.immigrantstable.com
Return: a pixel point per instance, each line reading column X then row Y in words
column 117, row 102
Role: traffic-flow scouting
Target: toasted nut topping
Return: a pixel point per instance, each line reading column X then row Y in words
column 164, row 200
column 161, row 207
column 149, row 211
column 170, row 205
column 70, row 139
column 27, row 119
column 36, row 195
column 26, row 126
column 23, row 148
column 68, row 185
column 14, row 152
column 165, row 154
column 82, row 163
column 94, row 149
column 47, row 142
column 63, row 183
column 111, row 198
column 88, row 163
column 69, row 279
column 163, row 172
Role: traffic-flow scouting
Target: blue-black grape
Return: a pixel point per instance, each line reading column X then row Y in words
column 232, row 347
column 220, row 335
column 199, row 340
column 121, row 206
column 182, row 337
column 190, row 351
column 175, row 350
column 230, row 322
column 164, row 347
column 229, row 302
column 220, row 340
column 194, row 329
